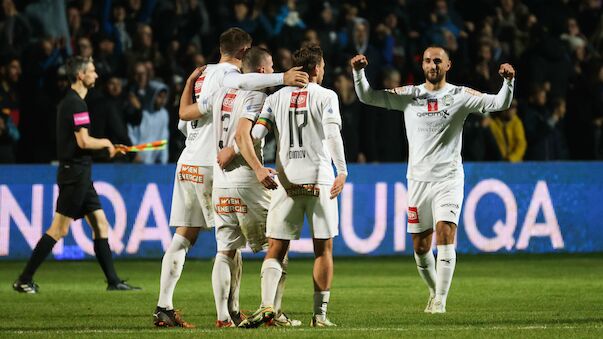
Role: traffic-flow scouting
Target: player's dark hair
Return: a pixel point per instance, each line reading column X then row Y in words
column 253, row 58
column 233, row 40
column 308, row 57
column 440, row 47
column 75, row 65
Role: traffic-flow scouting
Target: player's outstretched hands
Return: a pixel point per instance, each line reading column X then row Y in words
column 338, row 185
column 266, row 175
column 225, row 156
column 196, row 73
column 296, row 77
column 506, row 71
column 359, row 62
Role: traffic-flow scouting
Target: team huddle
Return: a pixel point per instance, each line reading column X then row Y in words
column 221, row 181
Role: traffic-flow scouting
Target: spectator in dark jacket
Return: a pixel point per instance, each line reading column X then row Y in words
column 544, row 132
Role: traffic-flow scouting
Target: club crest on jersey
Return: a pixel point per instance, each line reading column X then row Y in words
column 448, row 100
column 228, row 101
column 199, row 84
column 413, row 215
column 299, row 99
column 432, row 105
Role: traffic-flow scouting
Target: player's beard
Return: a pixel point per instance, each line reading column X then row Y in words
column 434, row 77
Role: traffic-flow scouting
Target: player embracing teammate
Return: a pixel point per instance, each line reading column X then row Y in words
column 192, row 206
column 306, row 124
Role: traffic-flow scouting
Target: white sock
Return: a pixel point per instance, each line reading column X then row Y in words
column 271, row 274
column 171, row 268
column 280, row 290
column 426, row 266
column 220, row 281
column 445, row 270
column 321, row 301
column 235, row 284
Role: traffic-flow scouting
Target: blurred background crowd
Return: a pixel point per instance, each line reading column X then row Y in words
column 144, row 50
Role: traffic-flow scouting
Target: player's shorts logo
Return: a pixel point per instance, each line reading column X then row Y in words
column 308, row 190
column 413, row 215
column 191, row 174
column 227, row 205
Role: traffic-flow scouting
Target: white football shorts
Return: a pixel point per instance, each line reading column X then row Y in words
column 240, row 215
column 433, row 201
column 288, row 209
column 191, row 199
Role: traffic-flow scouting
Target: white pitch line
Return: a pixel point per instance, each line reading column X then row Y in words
column 293, row 330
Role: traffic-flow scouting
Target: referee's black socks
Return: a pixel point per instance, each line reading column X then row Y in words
column 43, row 248
column 105, row 259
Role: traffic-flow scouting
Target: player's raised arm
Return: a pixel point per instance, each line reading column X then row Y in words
column 390, row 99
column 331, row 123
column 189, row 110
column 485, row 103
column 259, row 81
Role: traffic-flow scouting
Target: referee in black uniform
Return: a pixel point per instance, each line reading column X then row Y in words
column 77, row 196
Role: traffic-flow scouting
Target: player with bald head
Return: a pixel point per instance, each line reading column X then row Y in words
column 434, row 113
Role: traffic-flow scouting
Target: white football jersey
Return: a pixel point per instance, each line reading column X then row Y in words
column 228, row 106
column 297, row 116
column 200, row 149
column 434, row 125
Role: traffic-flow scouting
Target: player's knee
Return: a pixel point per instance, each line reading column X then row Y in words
column 230, row 253
column 189, row 233
column 422, row 248
column 445, row 232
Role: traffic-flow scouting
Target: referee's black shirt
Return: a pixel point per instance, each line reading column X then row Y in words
column 72, row 115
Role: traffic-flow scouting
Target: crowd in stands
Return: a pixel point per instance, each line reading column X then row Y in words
column 144, row 50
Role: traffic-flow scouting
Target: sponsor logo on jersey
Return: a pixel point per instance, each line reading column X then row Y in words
column 227, row 205
column 432, row 105
column 413, row 215
column 191, row 174
column 82, row 118
column 299, row 99
column 444, row 114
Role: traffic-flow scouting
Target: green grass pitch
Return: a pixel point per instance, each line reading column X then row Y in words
column 500, row 296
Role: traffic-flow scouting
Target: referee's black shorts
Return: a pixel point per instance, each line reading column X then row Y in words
column 77, row 196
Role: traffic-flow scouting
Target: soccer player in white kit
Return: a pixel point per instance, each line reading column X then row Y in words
column 434, row 113
column 192, row 209
column 240, row 202
column 306, row 124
